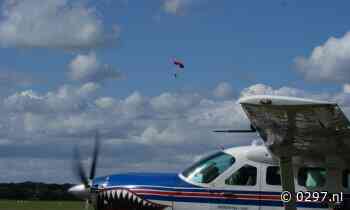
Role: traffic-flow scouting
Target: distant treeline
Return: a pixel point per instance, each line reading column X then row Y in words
column 35, row 191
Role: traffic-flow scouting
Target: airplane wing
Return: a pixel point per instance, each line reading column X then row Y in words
column 299, row 127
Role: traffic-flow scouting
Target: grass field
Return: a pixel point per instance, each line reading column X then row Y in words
column 41, row 205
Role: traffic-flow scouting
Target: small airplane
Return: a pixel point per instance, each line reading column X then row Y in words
column 303, row 164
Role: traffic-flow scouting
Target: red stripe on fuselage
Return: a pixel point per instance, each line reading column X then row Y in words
column 207, row 195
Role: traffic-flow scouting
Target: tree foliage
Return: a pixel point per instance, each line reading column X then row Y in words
column 35, row 191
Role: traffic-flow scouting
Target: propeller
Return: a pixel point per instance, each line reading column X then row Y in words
column 83, row 190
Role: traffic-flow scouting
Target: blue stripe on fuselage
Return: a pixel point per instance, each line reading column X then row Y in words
column 144, row 179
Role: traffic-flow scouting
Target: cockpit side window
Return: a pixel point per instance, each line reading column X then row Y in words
column 273, row 175
column 312, row 177
column 207, row 169
column 346, row 178
column 244, row 176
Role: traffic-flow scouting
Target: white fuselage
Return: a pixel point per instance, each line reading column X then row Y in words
column 240, row 178
column 262, row 194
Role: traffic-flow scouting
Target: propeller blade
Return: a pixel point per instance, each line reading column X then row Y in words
column 79, row 169
column 95, row 156
column 83, row 190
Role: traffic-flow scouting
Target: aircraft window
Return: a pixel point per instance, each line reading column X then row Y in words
column 346, row 178
column 273, row 175
column 244, row 176
column 207, row 169
column 312, row 177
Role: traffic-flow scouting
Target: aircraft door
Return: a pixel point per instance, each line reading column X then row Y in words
column 239, row 189
column 271, row 187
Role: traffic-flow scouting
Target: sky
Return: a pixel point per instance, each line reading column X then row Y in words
column 71, row 67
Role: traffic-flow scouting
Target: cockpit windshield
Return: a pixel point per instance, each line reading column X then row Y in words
column 207, row 169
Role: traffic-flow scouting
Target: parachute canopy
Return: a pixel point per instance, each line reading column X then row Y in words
column 179, row 64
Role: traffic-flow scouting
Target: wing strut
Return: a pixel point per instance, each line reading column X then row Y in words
column 286, row 164
column 287, row 177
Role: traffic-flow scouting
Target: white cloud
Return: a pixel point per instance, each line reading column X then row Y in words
column 174, row 7
column 87, row 89
column 346, row 88
column 328, row 62
column 51, row 24
column 213, row 114
column 261, row 89
column 65, row 99
column 179, row 7
column 105, row 102
column 170, row 127
column 223, row 90
column 88, row 68
column 174, row 103
column 165, row 130
column 24, row 101
column 257, row 89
